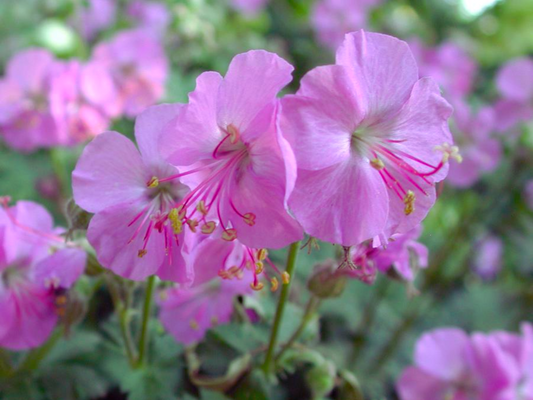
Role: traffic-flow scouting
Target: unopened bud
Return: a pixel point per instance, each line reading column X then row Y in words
column 325, row 282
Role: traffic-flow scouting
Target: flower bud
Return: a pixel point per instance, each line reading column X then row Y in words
column 325, row 281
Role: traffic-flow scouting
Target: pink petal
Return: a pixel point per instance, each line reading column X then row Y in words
column 32, row 313
column 345, row 204
column 515, row 80
column 252, row 82
column 416, row 384
column 321, row 118
column 383, row 70
column 151, row 125
column 195, row 133
column 442, row 353
column 98, row 88
column 30, row 69
column 61, row 269
column 110, row 171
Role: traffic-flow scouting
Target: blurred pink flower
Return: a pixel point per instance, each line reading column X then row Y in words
column 135, row 232
column 96, row 17
column 36, row 267
column 138, row 65
column 370, row 140
column 451, row 365
column 79, row 99
column 249, row 7
column 401, row 254
column 229, row 151
column 26, row 122
column 453, row 69
column 480, row 152
column 332, row 19
column 488, row 257
column 515, row 84
column 188, row 313
column 149, row 15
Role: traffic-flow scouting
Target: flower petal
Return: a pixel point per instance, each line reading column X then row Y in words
column 515, row 80
column 110, row 171
column 416, row 384
column 61, row 269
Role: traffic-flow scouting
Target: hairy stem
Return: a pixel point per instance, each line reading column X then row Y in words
column 268, row 364
column 147, row 308
column 310, row 309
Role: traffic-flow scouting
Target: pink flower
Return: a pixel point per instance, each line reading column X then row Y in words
column 26, row 122
column 509, row 114
column 449, row 65
column 488, row 257
column 480, row 152
column 79, row 100
column 36, row 268
column 370, row 140
column 138, row 65
column 98, row 16
column 332, row 19
column 249, row 7
column 150, row 16
column 136, row 230
column 229, row 151
column 403, row 254
column 515, row 83
column 451, row 366
column 188, row 313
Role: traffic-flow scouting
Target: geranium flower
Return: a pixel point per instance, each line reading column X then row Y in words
column 36, row 268
column 136, row 231
column 480, row 152
column 228, row 149
column 138, row 65
column 370, row 140
column 26, row 122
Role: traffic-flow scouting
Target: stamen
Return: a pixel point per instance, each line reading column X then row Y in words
column 259, row 266
column 229, row 234
column 256, row 286
column 177, row 225
column 377, row 164
column 274, row 284
column 208, row 227
column 285, row 277
column 409, row 202
column 192, row 225
column 153, row 183
column 141, row 253
column 262, row 254
column 201, row 208
column 249, row 218
column 233, row 133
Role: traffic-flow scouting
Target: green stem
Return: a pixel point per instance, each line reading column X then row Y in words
column 147, row 307
column 310, row 309
column 60, row 170
column 268, row 365
column 33, row 358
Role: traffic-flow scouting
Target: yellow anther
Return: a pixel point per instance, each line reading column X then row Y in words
column 233, row 133
column 192, row 225
column 409, row 201
column 274, row 284
column 224, row 274
column 256, row 286
column 208, row 227
column 285, row 277
column 259, row 266
column 175, row 221
column 262, row 254
column 61, row 300
column 449, row 152
column 229, row 235
column 249, row 218
column 141, row 253
column 376, row 163
column 153, row 183
column 201, row 207
column 194, row 325
column 214, row 321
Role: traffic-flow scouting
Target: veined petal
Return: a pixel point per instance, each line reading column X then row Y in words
column 252, row 82
column 346, row 203
column 110, row 171
column 383, row 70
column 61, row 269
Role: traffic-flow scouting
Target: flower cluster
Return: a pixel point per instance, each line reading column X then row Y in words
column 352, row 157
column 37, row 267
column 45, row 102
column 449, row 364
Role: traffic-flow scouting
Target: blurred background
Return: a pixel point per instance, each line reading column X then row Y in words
column 479, row 234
